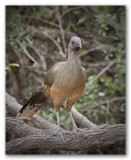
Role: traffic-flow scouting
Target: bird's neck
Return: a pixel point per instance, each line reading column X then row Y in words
column 72, row 54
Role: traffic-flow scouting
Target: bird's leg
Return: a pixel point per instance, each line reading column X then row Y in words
column 73, row 122
column 59, row 129
column 75, row 128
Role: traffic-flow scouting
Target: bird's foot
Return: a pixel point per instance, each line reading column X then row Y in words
column 60, row 133
column 76, row 129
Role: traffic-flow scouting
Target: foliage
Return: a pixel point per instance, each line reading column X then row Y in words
column 96, row 25
column 50, row 115
column 8, row 67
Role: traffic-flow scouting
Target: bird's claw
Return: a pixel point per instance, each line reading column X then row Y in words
column 79, row 130
column 60, row 133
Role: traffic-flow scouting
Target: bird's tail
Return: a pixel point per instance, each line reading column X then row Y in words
column 37, row 100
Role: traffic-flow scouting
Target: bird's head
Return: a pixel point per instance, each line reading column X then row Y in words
column 75, row 44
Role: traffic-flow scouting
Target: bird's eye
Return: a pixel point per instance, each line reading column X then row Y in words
column 72, row 42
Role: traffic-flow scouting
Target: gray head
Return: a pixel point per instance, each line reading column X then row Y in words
column 75, row 44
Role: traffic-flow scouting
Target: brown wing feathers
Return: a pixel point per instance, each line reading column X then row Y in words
column 33, row 104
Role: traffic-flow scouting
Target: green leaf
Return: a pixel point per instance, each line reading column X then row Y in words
column 58, row 39
column 48, row 30
column 102, row 79
column 82, row 51
column 24, row 43
column 14, row 65
column 122, row 107
column 87, row 15
column 104, row 51
column 101, row 94
column 77, row 106
column 77, row 12
column 35, row 64
column 74, row 28
column 8, row 68
column 103, row 109
column 30, row 88
column 104, row 34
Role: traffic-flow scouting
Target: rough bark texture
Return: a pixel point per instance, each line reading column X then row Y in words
column 33, row 138
column 27, row 138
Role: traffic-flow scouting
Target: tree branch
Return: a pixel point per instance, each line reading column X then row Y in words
column 26, row 52
column 42, row 20
column 70, row 10
column 81, row 120
column 61, row 29
column 42, row 35
column 101, row 73
column 14, row 107
column 27, row 137
column 108, row 101
column 33, row 138
column 99, row 47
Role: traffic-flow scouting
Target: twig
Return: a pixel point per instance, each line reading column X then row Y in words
column 100, row 47
column 90, row 50
column 70, row 10
column 41, row 57
column 42, row 20
column 55, row 42
column 49, row 37
column 101, row 73
column 26, row 52
column 61, row 29
column 103, row 63
column 104, row 70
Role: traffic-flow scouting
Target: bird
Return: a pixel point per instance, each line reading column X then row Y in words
column 64, row 83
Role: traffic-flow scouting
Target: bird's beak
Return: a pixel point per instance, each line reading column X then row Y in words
column 78, row 45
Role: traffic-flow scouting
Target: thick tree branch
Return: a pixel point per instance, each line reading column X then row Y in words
column 33, row 138
column 81, row 120
column 27, row 137
column 13, row 107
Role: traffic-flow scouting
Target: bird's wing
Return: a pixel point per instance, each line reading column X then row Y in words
column 50, row 76
column 41, row 95
column 33, row 104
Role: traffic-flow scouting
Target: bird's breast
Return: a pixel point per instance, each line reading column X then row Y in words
column 70, row 78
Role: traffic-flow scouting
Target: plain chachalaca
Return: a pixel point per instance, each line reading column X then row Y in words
column 64, row 83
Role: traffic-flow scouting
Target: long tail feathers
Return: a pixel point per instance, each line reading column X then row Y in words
column 33, row 104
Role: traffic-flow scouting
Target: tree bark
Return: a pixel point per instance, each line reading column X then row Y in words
column 32, row 138
column 27, row 138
